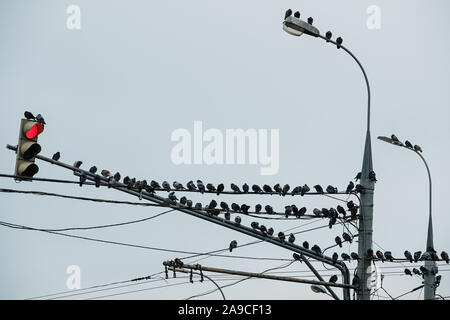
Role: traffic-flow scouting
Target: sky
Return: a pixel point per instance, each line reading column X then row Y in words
column 114, row 91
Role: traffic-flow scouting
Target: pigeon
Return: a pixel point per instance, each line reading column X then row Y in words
column 256, row 188
column 350, row 204
column 301, row 211
column 270, row 231
column 325, row 212
column 172, row 196
column 372, row 176
column 335, row 257
column 316, row 249
column 296, row 256
column 331, row 189
column 408, row 256
column 285, row 190
column 288, row 211
column 263, row 228
column 394, row 138
column 291, row 238
column 417, row 255
column 305, row 244
column 294, row 209
column 332, row 222
column 166, row 186
column 408, row 272
column 345, row 257
column 277, row 188
column 77, row 163
column 210, row 187
column 267, row 188
column 350, row 187
column 339, row 42
column 338, row 241
column 417, row 148
column 177, row 185
column 200, row 186
column 191, row 186
column 333, row 213
column 235, row 188
column 198, row 206
column 189, row 203
column 224, row 206
column 296, row 190
column 233, row 245
column 245, row 208
column 328, row 35
column 333, row 279
column 287, row 14
column 408, row 144
column 317, row 212
column 354, row 256
column 183, row 200
column 369, row 254
column 258, row 208
column 425, row 256
column 388, row 256
column 268, row 209
column 105, row 173
column 126, row 180
column 358, row 176
column 341, row 210
column 246, row 188
column 227, row 216
column 444, row 256
column 423, row 270
column 347, row 237
column 235, row 207
column 281, row 236
column 29, row 116
column 318, row 188
column 117, row 176
column 416, row 271
column 40, row 119
column 297, row 14
column 56, row 156
column 380, row 255
column 238, row 220
column 305, row 189
column 212, row 204
column 220, row 188
column 93, row 169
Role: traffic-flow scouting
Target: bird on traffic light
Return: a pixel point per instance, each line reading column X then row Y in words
column 29, row 116
column 358, row 176
column 380, row 255
column 40, row 119
column 233, row 245
column 256, row 188
column 408, row 272
column 417, row 255
column 347, row 237
column 285, row 190
column 305, row 244
column 408, row 144
column 105, row 173
column 444, row 256
column 408, row 256
column 388, row 256
column 318, row 188
column 417, row 148
column 56, row 156
column 93, row 169
column 245, row 187
column 288, row 13
column 235, row 188
column 291, row 238
column 333, row 279
column 338, row 241
column 220, row 188
column 345, row 257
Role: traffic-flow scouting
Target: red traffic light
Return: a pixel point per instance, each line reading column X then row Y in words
column 34, row 131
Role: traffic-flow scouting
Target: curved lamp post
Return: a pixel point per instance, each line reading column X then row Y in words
column 295, row 26
column 430, row 265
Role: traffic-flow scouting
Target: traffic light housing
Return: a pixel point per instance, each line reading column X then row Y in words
column 27, row 149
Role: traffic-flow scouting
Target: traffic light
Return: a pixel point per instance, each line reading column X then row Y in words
column 28, row 148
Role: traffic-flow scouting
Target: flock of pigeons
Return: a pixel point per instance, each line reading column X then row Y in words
column 29, row 116
column 407, row 144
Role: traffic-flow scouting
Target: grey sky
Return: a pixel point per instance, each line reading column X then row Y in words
column 113, row 92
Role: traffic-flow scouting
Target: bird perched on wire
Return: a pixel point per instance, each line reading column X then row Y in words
column 268, row 209
column 388, row 256
column 423, row 270
column 301, row 211
column 263, row 228
column 359, row 188
column 235, row 207
column 233, row 245
column 341, row 210
column 338, row 241
column 254, row 225
column 166, row 186
column 285, row 190
column 245, row 208
column 332, row 222
column 331, row 189
column 29, row 116
column 339, row 42
column 82, row 179
column 183, row 200
column 256, row 188
column 354, row 256
column 245, row 188
column 335, row 257
column 350, row 187
column 328, row 36
column 210, row 187
column 297, row 257
column 350, row 204
column 345, row 257
column 305, row 189
column 444, row 256
column 281, row 236
column 56, row 156
column 325, row 212
column 224, row 206
column 347, row 237
column 425, row 256
column 291, row 238
column 77, row 163
column 380, row 255
column 173, row 197
column 333, row 279
column 189, row 203
column 296, row 190
column 369, row 254
column 277, row 188
column 358, row 176
column 237, row 219
column 416, row 271
column 305, row 244
column 294, row 209
column 318, row 188
column 372, row 176
column 408, row 272
column 201, row 186
column 177, row 185
column 198, row 206
column 417, row 255
column 258, row 208
column 316, row 249
column 191, row 186
column 212, row 204
column 270, row 231
column 235, row 188
column 287, row 211
column 408, row 256
column 105, row 173
column 40, row 119
column 93, row 169
column 394, row 138
column 227, row 216
column 220, row 188
column 117, row 176
column 417, row 148
column 267, row 188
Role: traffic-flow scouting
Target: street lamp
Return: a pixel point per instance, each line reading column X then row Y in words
column 293, row 25
column 430, row 265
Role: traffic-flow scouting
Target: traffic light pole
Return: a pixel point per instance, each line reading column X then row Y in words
column 341, row 266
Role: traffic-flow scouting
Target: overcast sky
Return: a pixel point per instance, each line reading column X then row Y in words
column 114, row 91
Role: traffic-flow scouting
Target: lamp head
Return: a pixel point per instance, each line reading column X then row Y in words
column 297, row 27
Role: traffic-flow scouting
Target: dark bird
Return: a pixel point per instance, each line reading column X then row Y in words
column 310, row 20
column 245, row 208
column 277, row 188
column 347, row 237
column 153, row 184
column 258, row 208
column 270, row 231
column 93, row 169
column 333, row 279
column 227, row 216
column 350, row 204
column 285, row 190
column 358, row 176
column 359, row 188
column 287, row 211
column 235, row 188
column 328, row 35
column 200, row 186
column 301, row 211
column 267, row 188
column 417, row 148
column 332, row 222
column 305, row 244
column 172, row 196
column 183, row 200
column 408, row 256
column 354, row 256
column 339, row 42
column 380, row 255
column 425, row 256
column 212, row 204
column 372, row 176
column 356, row 281
column 177, row 185
column 220, row 188
column 394, row 138
column 297, row 14
column 117, row 176
column 166, row 186
column 233, row 245
column 40, row 119
column 126, row 180
column 210, row 187
column 350, row 187
column 297, row 257
column 189, row 203
column 338, row 241
column 369, row 254
column 444, row 256
column 316, row 249
column 294, row 209
column 408, row 272
column 29, row 116
column 417, row 255
column 281, row 236
column 77, row 164
column 297, row 190
column 317, row 212
column 318, row 188
column 333, row 213
column 331, row 189
column 256, row 188
column 416, row 271
column 291, row 238
column 305, row 189
column 235, row 207
column 423, row 270
column 105, row 173
column 335, row 257
column 388, row 256
column 238, row 220
column 56, row 156
column 408, row 144
column 245, row 187
column 288, row 13
column 353, row 212
column 263, row 228
column 224, row 206
column 345, row 257
column 341, row 210
column 325, row 212
column 268, row 209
